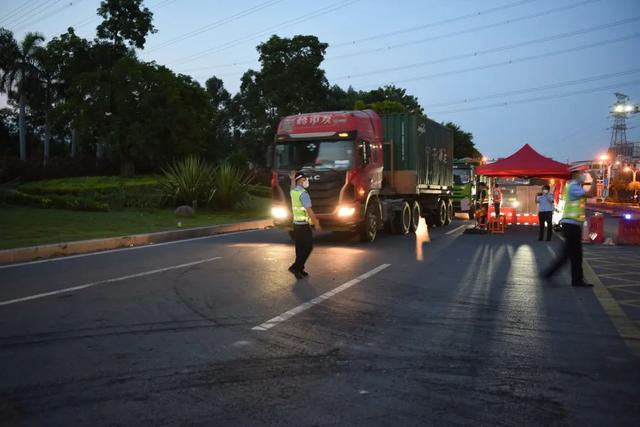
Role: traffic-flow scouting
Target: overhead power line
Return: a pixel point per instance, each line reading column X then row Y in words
column 27, row 15
column 539, row 98
column 536, row 88
column 48, row 14
column 465, row 31
column 319, row 12
column 423, row 40
column 17, row 11
column 495, row 49
column 42, row 9
column 510, row 61
column 216, row 24
column 93, row 18
column 439, row 23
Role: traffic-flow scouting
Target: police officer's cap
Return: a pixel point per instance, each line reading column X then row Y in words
column 299, row 175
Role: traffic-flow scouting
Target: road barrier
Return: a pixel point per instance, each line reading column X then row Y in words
column 527, row 219
column 596, row 228
column 629, row 231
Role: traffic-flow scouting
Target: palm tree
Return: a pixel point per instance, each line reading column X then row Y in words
column 19, row 74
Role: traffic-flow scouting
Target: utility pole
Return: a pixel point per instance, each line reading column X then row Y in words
column 620, row 148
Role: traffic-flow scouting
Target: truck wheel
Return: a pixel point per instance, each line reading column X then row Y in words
column 449, row 213
column 440, row 215
column 369, row 228
column 415, row 216
column 402, row 219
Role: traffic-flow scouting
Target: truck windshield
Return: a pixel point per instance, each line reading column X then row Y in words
column 314, row 155
column 461, row 176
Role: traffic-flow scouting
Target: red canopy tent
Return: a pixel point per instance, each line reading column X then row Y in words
column 526, row 162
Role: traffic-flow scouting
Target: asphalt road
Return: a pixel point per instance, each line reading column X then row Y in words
column 438, row 328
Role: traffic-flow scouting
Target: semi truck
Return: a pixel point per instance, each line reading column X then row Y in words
column 367, row 172
column 465, row 186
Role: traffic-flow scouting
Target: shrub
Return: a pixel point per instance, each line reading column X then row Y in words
column 52, row 201
column 232, row 185
column 188, row 180
column 91, row 184
column 33, row 169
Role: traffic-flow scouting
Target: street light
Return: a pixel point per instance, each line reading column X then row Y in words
column 604, row 158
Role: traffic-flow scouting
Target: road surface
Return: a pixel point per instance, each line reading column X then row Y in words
column 438, row 328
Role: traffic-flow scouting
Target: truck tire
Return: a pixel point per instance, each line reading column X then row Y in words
column 440, row 215
column 369, row 227
column 415, row 216
column 401, row 222
column 449, row 213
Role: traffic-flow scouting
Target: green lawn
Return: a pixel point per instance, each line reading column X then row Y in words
column 26, row 226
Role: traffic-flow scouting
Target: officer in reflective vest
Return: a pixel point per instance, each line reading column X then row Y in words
column 573, row 218
column 303, row 218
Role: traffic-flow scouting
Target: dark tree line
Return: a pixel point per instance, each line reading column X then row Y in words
column 78, row 98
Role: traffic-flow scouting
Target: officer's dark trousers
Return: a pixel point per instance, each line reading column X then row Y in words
column 544, row 218
column 496, row 208
column 571, row 251
column 304, row 244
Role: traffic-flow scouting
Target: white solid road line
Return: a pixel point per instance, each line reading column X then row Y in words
column 103, row 282
column 110, row 251
column 302, row 307
column 456, row 229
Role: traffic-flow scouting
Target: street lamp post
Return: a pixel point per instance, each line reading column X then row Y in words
column 605, row 181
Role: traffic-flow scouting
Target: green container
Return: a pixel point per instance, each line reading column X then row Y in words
column 420, row 145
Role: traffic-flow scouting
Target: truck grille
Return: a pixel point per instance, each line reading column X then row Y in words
column 324, row 191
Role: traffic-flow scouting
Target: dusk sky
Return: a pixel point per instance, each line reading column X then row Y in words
column 511, row 72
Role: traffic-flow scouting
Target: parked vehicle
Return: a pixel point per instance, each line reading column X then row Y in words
column 465, row 186
column 367, row 172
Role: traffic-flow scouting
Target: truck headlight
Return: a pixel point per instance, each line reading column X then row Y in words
column 278, row 212
column 346, row 211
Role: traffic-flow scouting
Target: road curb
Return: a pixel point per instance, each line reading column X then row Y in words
column 30, row 253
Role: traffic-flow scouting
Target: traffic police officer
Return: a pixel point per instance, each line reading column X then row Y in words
column 303, row 218
column 572, row 221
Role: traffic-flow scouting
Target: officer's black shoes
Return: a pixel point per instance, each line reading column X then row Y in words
column 295, row 272
column 582, row 285
column 304, row 273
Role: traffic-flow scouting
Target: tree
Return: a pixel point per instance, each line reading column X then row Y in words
column 142, row 114
column 19, row 74
column 391, row 97
column 220, row 101
column 8, row 132
column 619, row 187
column 463, row 145
column 69, row 56
column 290, row 81
column 125, row 20
column 381, row 107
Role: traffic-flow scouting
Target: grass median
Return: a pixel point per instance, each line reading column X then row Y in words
column 26, row 226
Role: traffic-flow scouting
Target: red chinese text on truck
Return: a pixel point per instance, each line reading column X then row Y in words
column 367, row 172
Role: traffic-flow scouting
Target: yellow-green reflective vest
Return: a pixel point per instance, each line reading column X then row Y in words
column 573, row 209
column 299, row 211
